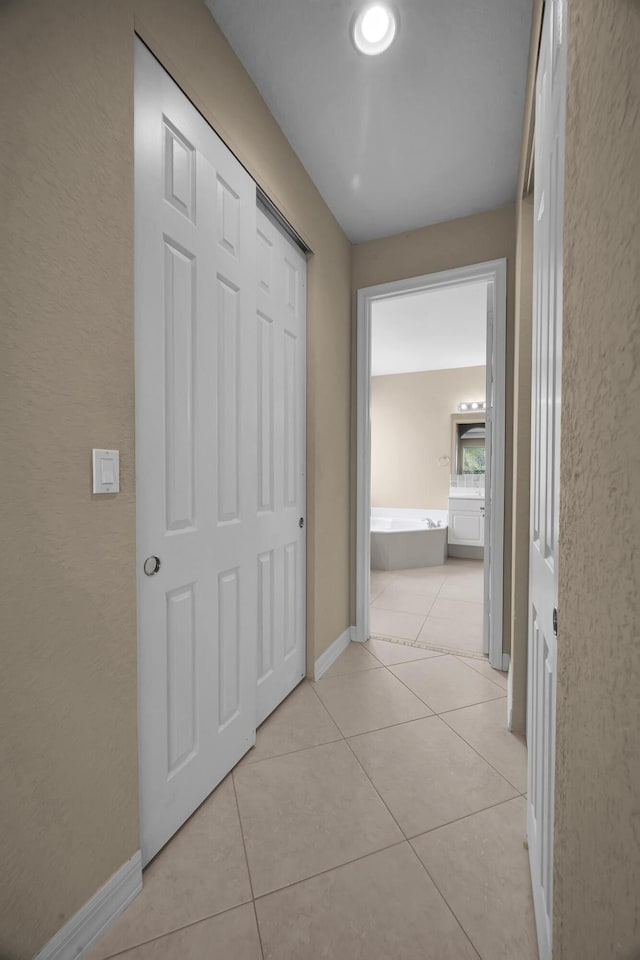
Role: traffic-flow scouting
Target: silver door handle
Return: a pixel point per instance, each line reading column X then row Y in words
column 151, row 566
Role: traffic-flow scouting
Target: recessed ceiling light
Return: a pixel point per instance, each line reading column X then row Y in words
column 374, row 29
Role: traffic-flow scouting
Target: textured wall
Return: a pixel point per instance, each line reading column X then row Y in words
column 411, row 429
column 68, row 805
column 456, row 243
column 597, row 824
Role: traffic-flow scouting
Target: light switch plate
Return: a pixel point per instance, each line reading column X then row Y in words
column 106, row 471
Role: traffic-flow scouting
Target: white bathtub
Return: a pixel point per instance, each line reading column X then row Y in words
column 402, row 538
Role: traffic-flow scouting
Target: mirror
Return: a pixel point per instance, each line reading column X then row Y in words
column 468, row 444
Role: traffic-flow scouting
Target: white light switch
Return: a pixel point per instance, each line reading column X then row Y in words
column 106, row 471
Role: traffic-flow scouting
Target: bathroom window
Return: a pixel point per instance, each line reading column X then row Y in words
column 472, row 456
column 468, row 445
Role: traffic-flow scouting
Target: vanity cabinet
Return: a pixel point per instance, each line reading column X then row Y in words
column 466, row 521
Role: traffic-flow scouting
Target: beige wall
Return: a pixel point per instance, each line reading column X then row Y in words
column 69, row 805
column 411, row 429
column 456, row 243
column 596, row 904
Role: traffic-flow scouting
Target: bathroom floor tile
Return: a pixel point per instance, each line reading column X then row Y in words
column 180, row 885
column 457, row 565
column 368, row 701
column 455, row 635
column 463, row 611
column 354, row 658
column 444, row 683
column 392, row 623
column 389, row 653
column 478, row 863
column 307, row 812
column 484, row 727
column 465, row 587
column 483, row 667
column 383, row 907
column 427, row 775
column 300, row 721
column 421, row 580
column 378, row 581
column 392, row 599
column 233, row 934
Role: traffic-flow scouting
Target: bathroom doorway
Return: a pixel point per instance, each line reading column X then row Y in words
column 430, row 485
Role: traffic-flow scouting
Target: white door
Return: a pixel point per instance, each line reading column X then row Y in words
column 281, row 328
column 545, row 460
column 493, row 509
column 196, row 431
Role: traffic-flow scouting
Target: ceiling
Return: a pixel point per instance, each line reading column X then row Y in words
column 431, row 330
column 428, row 131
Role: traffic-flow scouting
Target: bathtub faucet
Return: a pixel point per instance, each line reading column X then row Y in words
column 430, row 523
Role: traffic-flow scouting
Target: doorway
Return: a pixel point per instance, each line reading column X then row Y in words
column 482, row 521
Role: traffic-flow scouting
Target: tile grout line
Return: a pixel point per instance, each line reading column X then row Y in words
column 169, row 933
column 326, row 708
column 458, row 655
column 290, row 753
column 480, row 674
column 475, row 750
column 377, row 792
column 446, row 902
column 246, row 860
column 467, row 816
column 338, row 866
column 327, row 676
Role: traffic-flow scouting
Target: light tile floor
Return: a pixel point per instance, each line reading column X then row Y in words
column 380, row 816
column 436, row 607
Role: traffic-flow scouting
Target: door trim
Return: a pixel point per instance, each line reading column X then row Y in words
column 492, row 271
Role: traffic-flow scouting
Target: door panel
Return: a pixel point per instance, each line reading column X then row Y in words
column 196, row 462
column 280, row 488
column 545, row 460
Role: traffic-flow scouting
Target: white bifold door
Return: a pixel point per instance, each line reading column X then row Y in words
column 281, row 326
column 209, row 576
column 545, row 460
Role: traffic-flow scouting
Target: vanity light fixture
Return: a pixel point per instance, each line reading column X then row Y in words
column 374, row 28
column 474, row 405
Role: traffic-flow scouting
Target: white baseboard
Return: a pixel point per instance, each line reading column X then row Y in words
column 332, row 653
column 83, row 929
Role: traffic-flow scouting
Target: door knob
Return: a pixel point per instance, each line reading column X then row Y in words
column 301, row 522
column 151, row 566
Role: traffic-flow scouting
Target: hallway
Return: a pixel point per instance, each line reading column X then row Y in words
column 380, row 816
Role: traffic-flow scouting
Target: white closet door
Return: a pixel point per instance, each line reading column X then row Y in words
column 196, row 441
column 280, row 490
column 545, row 460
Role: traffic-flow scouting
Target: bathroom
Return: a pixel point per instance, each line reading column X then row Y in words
column 428, row 467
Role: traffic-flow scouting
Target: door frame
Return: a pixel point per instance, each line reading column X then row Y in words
column 491, row 271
